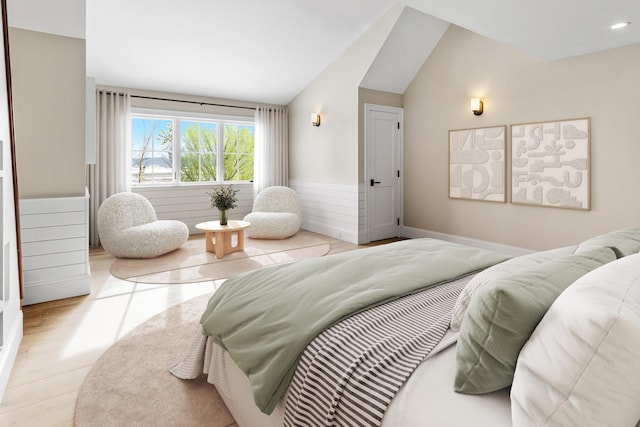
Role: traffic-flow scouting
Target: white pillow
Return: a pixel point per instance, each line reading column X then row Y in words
column 513, row 265
column 581, row 365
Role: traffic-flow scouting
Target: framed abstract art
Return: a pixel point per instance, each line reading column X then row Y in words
column 550, row 164
column 477, row 164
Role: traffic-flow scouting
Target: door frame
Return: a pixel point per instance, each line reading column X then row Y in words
column 367, row 166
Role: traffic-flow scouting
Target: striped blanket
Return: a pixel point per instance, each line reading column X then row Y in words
column 349, row 374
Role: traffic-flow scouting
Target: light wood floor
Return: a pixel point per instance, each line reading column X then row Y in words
column 64, row 338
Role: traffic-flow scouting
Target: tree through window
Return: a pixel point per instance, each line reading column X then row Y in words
column 173, row 150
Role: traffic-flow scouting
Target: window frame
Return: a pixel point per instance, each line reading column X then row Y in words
column 177, row 117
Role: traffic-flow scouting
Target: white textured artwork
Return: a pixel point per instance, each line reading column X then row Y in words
column 477, row 164
column 550, row 164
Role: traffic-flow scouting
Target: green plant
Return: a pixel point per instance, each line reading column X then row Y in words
column 223, row 198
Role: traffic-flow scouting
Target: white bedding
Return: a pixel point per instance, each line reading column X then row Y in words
column 427, row 399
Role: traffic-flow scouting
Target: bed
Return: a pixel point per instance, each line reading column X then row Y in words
column 467, row 330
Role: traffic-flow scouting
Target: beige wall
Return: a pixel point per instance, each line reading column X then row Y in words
column 519, row 88
column 48, row 74
column 330, row 153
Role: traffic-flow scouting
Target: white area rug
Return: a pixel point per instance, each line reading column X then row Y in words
column 191, row 263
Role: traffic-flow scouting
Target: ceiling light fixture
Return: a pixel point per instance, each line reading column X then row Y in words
column 619, row 25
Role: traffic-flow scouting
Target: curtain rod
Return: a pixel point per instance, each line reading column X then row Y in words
column 191, row 102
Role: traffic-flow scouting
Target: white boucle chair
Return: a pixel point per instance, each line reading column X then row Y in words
column 276, row 214
column 129, row 228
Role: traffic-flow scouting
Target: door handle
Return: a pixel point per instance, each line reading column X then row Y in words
column 374, row 182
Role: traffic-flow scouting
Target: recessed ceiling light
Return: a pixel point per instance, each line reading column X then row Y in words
column 619, row 25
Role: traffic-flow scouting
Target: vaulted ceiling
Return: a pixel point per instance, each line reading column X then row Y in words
column 268, row 51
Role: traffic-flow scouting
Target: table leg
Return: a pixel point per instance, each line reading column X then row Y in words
column 240, row 246
column 220, row 244
column 208, row 237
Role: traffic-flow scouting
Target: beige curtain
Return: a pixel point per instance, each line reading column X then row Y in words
column 110, row 173
column 271, row 149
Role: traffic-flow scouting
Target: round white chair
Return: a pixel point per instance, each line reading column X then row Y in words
column 276, row 214
column 129, row 228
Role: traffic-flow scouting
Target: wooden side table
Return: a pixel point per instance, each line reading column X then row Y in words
column 219, row 237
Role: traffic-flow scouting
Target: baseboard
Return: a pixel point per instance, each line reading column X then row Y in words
column 9, row 352
column 416, row 233
column 48, row 291
column 337, row 233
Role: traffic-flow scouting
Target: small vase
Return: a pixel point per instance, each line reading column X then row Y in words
column 224, row 216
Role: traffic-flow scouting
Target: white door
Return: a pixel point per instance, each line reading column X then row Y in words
column 383, row 174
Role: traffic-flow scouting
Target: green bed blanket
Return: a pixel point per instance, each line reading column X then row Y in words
column 266, row 318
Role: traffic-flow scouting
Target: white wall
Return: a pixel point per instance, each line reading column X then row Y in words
column 62, row 17
column 334, row 210
column 192, row 106
column 11, row 328
column 325, row 163
column 330, row 153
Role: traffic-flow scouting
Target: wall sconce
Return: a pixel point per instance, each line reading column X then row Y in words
column 476, row 106
column 315, row 119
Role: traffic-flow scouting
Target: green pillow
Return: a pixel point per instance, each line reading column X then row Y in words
column 623, row 242
column 504, row 313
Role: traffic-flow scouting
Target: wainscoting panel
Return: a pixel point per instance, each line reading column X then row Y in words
column 336, row 210
column 55, row 248
column 331, row 209
column 190, row 203
column 363, row 236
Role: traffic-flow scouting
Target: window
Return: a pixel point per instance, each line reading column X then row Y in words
column 163, row 145
column 198, row 151
column 151, row 150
